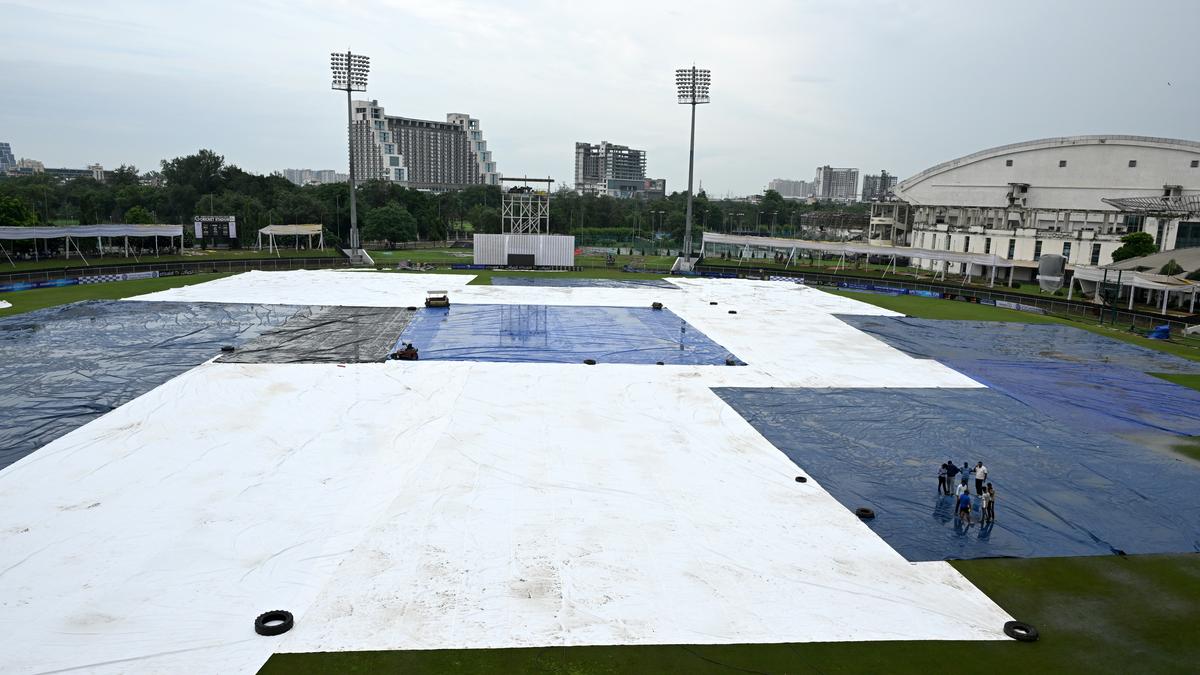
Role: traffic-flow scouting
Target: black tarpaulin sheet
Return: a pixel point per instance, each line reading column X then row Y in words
column 960, row 341
column 327, row 335
column 1061, row 491
column 560, row 334
column 65, row 366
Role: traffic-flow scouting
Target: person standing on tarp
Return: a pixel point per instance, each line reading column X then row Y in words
column 943, row 486
column 951, row 472
column 966, row 471
column 964, row 505
column 962, row 488
column 989, row 504
column 980, row 476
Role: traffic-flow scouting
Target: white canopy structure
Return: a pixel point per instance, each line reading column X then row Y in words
column 842, row 248
column 82, row 231
column 307, row 230
column 1165, row 285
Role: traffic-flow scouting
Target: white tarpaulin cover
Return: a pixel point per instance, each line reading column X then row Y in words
column 91, row 231
column 418, row 505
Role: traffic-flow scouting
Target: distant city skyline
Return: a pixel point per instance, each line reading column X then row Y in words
column 796, row 87
column 314, row 176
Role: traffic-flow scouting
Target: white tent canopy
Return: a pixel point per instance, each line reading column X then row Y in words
column 844, row 248
column 1143, row 280
column 297, row 231
column 13, row 233
column 81, row 231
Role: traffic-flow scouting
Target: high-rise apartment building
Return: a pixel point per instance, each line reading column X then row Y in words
column 609, row 169
column 314, row 177
column 791, row 189
column 421, row 154
column 877, row 187
column 836, row 184
column 7, row 160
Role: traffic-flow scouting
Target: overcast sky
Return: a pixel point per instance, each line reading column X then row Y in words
column 897, row 85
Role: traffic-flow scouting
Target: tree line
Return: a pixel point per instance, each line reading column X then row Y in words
column 205, row 184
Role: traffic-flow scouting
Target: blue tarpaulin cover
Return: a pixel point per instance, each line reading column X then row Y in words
column 1082, row 379
column 1061, row 490
column 1093, row 397
column 567, row 282
column 555, row 334
column 960, row 341
column 62, row 367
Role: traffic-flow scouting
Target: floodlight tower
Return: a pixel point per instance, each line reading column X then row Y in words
column 350, row 75
column 692, row 87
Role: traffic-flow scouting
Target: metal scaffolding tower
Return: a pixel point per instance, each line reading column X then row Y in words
column 525, row 209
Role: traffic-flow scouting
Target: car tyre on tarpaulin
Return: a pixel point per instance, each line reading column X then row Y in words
column 864, row 513
column 1020, row 631
column 274, row 622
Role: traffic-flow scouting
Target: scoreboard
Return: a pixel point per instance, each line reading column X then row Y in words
column 215, row 231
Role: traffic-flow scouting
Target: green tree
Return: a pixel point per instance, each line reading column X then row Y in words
column 1135, row 245
column 485, row 219
column 15, row 213
column 124, row 175
column 1171, row 268
column 201, row 171
column 138, row 216
column 392, row 223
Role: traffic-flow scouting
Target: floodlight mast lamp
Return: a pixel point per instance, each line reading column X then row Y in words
column 691, row 85
column 350, row 75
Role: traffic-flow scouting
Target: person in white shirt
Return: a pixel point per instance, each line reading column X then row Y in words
column 962, row 487
column 981, row 473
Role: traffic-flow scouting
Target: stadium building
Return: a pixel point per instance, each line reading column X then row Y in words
column 1075, row 196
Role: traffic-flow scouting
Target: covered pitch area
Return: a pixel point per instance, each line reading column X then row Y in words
column 473, row 502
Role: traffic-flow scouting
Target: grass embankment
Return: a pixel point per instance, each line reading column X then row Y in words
column 190, row 256
column 39, row 298
column 1134, row 614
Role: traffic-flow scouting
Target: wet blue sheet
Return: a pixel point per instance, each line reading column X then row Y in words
column 62, row 367
column 960, row 341
column 1088, row 381
column 1061, row 491
column 559, row 334
column 566, row 282
column 1088, row 397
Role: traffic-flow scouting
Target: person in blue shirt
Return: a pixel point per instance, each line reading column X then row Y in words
column 964, row 507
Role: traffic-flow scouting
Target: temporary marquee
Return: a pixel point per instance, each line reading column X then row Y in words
column 81, row 231
column 1144, row 280
column 843, row 248
column 307, row 230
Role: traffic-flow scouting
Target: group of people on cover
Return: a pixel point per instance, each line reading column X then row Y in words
column 948, row 484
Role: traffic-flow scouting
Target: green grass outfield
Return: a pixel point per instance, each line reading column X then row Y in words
column 1109, row 614
column 191, row 256
column 39, row 298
